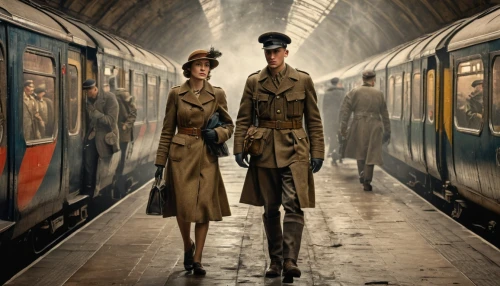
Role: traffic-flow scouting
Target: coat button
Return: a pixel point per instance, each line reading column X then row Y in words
column 278, row 111
column 278, row 97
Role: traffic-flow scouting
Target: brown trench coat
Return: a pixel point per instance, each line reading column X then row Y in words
column 195, row 190
column 371, row 119
column 295, row 99
column 104, row 118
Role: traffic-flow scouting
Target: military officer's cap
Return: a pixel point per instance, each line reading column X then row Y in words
column 88, row 84
column 28, row 82
column 274, row 40
column 367, row 74
column 477, row 82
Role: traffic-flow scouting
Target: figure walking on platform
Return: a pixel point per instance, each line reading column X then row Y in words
column 195, row 190
column 276, row 103
column 331, row 110
column 370, row 127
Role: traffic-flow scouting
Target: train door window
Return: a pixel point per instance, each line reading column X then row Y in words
column 416, row 97
column 390, row 95
column 74, row 99
column 111, row 78
column 3, row 95
column 398, row 97
column 163, row 96
column 39, row 97
column 127, row 80
column 431, row 93
column 139, row 96
column 469, row 95
column 495, row 97
column 407, row 93
column 152, row 101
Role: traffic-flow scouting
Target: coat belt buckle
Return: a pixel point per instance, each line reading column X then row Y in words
column 193, row 132
column 278, row 124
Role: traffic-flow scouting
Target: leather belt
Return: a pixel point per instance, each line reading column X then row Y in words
column 366, row 114
column 191, row 131
column 294, row 124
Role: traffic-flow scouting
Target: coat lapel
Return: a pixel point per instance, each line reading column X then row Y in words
column 289, row 80
column 266, row 82
column 207, row 93
column 188, row 96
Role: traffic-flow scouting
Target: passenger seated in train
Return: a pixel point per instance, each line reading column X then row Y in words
column 474, row 106
column 31, row 117
column 45, row 108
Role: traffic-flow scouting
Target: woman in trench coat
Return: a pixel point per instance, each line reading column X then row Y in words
column 195, row 190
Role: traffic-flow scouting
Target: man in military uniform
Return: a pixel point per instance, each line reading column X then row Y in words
column 276, row 103
column 101, row 139
column 331, row 110
column 474, row 106
column 370, row 127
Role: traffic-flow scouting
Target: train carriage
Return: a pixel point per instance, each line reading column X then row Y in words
column 42, row 144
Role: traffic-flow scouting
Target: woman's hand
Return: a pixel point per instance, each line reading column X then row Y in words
column 210, row 136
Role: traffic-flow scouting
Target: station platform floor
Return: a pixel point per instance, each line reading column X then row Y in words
column 389, row 236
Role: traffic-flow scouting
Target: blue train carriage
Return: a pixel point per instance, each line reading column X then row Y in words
column 41, row 171
column 474, row 53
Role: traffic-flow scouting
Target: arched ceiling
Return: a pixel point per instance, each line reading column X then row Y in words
column 326, row 34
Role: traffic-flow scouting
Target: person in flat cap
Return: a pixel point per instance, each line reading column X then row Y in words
column 331, row 103
column 199, row 113
column 474, row 105
column 45, row 108
column 277, row 103
column 126, row 118
column 370, row 127
column 101, row 138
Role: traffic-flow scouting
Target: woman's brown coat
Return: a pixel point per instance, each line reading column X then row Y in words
column 195, row 190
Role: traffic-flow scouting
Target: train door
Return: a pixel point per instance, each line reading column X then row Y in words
column 430, row 126
column 407, row 84
column 152, row 118
column 73, row 112
column 417, row 124
column 5, row 206
column 468, row 118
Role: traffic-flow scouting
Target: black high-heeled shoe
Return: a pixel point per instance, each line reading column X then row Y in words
column 189, row 257
column 198, row 269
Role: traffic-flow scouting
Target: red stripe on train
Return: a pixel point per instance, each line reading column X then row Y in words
column 142, row 131
column 3, row 158
column 34, row 166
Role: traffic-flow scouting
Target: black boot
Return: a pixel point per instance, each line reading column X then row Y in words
column 293, row 225
column 275, row 244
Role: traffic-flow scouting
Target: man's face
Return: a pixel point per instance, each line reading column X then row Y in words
column 276, row 58
column 92, row 92
column 29, row 89
column 478, row 88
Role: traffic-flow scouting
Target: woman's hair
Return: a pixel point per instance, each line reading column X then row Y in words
column 187, row 72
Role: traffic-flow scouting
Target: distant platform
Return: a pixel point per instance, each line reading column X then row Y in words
column 389, row 236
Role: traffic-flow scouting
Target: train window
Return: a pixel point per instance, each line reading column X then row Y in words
column 390, row 95
column 416, row 96
column 152, row 101
column 74, row 99
column 398, row 97
column 163, row 97
column 127, row 80
column 139, row 96
column 495, row 98
column 431, row 92
column 111, row 78
column 407, row 94
column 39, row 97
column 469, row 95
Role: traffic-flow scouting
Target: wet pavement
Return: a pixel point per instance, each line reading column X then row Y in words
column 386, row 237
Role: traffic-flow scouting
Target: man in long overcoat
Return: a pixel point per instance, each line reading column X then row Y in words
column 369, row 129
column 126, row 119
column 331, row 110
column 101, row 139
column 276, row 103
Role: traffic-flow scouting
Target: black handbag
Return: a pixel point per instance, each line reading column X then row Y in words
column 156, row 199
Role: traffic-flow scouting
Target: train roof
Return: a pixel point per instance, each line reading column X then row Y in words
column 403, row 55
column 483, row 28
column 48, row 21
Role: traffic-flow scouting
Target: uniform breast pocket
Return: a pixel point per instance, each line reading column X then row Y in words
column 263, row 100
column 295, row 104
column 177, row 149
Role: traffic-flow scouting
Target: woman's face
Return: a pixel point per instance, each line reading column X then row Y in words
column 200, row 69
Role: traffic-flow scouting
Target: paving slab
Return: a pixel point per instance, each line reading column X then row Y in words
column 389, row 236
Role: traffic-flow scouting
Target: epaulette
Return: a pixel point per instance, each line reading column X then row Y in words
column 217, row 86
column 254, row 73
column 302, row 71
column 175, row 86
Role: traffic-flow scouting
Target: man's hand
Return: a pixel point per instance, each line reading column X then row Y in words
column 210, row 136
column 242, row 161
column 316, row 164
column 159, row 172
column 124, row 127
column 386, row 137
column 90, row 107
